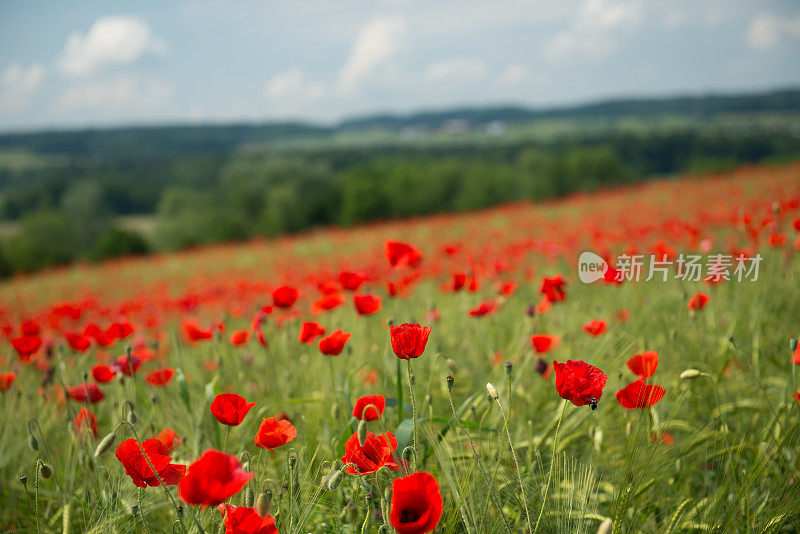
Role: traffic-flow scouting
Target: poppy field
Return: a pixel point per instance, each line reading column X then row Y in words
column 452, row 373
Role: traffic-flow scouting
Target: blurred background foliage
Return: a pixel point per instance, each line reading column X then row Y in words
column 94, row 194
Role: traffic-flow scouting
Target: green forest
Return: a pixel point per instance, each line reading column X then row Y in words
column 63, row 194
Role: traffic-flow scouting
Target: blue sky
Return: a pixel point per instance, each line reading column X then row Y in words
column 111, row 63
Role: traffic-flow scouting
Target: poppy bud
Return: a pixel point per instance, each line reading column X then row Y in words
column 628, row 428
column 530, row 311
column 23, row 479
column 263, row 502
column 362, row 432
column 292, row 461
column 132, row 417
column 106, row 443
column 450, row 379
column 690, row 374
column 335, row 479
column 509, row 367
column 33, row 443
column 429, row 398
column 492, row 391
column 134, row 508
column 45, row 470
column 451, row 365
column 249, row 497
column 541, row 366
column 793, row 344
column 605, row 526
column 408, row 454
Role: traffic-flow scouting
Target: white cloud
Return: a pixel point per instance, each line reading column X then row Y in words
column 766, row 31
column 595, row 31
column 292, row 84
column 18, row 84
column 111, row 41
column 120, row 94
column 377, row 42
column 457, row 70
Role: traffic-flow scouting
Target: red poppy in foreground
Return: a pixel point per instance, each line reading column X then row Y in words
column 409, row 340
column 644, row 364
column 595, row 327
column 416, row 503
column 309, row 331
column 160, row 377
column 378, row 451
column 85, row 392
column 333, row 344
column 284, row 297
column 230, row 408
column 6, row 379
column 698, row 301
column 213, row 479
column 579, row 382
column 367, row 304
column 136, row 466
column 245, row 520
column 274, row 433
column 542, row 343
column 401, row 254
column 638, row 395
column 85, row 420
column 378, row 403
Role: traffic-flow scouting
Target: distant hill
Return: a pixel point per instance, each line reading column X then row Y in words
column 165, row 142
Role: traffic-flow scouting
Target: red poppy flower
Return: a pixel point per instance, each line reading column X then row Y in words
column 230, row 408
column 367, row 304
column 579, row 382
column 351, row 281
column 103, row 374
column 378, row 451
column 459, row 281
column 698, row 301
column 85, row 420
column 29, row 327
column 333, row 344
column 6, row 380
column 262, row 339
column 401, row 254
column 644, row 364
column 274, row 433
column 327, row 302
column 595, row 327
column 26, row 346
column 195, row 333
column 638, row 395
column 416, row 503
column 127, row 365
column 542, row 343
column 284, row 297
column 120, row 330
column 507, row 288
column 239, row 337
column 136, row 466
column 409, row 340
column 85, row 392
column 213, row 479
column 78, row 342
column 169, row 438
column 487, row 307
column 377, row 401
column 245, row 520
column 309, row 331
column 553, row 288
column 160, row 377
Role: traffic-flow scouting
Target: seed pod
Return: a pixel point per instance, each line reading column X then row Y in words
column 106, row 443
column 33, row 443
column 45, row 470
column 690, row 374
column 335, row 479
column 362, row 432
column 492, row 391
column 263, row 502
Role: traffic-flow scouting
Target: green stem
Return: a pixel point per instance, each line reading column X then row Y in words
column 552, row 467
column 516, row 464
column 413, row 413
column 399, row 393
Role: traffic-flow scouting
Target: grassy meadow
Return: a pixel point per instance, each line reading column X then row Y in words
column 718, row 453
